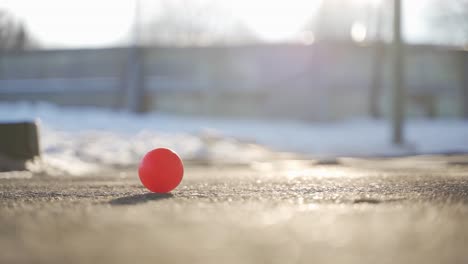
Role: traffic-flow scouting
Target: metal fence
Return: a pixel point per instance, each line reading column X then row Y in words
column 323, row 81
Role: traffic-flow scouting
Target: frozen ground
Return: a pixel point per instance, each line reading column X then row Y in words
column 81, row 140
column 398, row 210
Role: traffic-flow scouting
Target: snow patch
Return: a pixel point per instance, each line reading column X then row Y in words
column 79, row 141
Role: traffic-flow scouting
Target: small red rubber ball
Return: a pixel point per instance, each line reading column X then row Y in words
column 161, row 170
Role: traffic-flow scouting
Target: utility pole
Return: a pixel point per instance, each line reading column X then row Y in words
column 135, row 71
column 464, row 75
column 398, row 79
column 377, row 64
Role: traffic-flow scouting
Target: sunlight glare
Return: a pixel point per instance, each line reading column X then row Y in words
column 57, row 23
column 75, row 23
column 307, row 38
column 275, row 20
column 358, row 32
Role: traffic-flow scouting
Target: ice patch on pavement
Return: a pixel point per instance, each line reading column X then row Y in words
column 81, row 140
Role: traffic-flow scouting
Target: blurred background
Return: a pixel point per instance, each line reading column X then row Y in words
column 319, row 77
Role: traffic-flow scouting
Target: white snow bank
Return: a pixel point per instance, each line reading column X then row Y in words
column 80, row 140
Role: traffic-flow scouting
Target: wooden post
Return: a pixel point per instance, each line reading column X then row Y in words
column 398, row 81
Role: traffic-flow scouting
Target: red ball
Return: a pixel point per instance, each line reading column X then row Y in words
column 161, row 170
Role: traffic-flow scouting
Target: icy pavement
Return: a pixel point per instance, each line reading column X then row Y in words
column 79, row 141
column 399, row 210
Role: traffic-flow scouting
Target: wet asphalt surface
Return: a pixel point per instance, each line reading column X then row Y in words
column 406, row 210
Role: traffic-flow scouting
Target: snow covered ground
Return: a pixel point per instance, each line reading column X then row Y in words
column 81, row 140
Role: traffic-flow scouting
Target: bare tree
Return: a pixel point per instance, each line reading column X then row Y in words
column 13, row 33
column 449, row 21
column 189, row 22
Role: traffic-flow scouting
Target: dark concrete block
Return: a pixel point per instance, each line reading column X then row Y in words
column 19, row 142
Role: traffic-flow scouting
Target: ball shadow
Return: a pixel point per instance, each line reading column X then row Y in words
column 140, row 198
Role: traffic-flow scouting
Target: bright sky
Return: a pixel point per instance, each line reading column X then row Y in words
column 106, row 22
column 76, row 23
